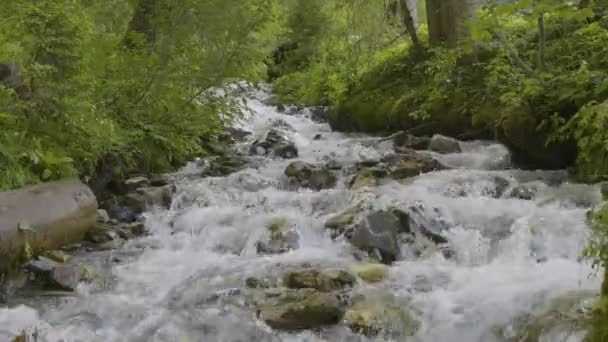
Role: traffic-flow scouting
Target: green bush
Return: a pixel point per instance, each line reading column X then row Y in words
column 95, row 99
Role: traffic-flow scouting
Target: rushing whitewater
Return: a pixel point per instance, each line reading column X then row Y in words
column 185, row 281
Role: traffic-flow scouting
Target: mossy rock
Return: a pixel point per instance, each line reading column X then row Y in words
column 324, row 281
column 519, row 131
column 381, row 319
column 371, row 273
column 287, row 309
column 567, row 315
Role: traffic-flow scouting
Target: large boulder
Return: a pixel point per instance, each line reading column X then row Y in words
column 325, row 281
column 442, row 144
column 403, row 140
column 288, row 309
column 52, row 215
column 410, row 164
column 310, row 176
column 274, row 144
column 379, row 231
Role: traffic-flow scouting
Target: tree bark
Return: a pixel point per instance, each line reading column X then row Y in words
column 541, row 42
column 142, row 23
column 446, row 21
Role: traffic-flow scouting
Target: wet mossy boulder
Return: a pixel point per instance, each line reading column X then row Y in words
column 299, row 309
column 379, row 232
column 275, row 144
column 518, row 130
column 324, row 281
column 310, row 176
column 371, row 272
column 380, row 319
column 343, row 223
column 442, row 144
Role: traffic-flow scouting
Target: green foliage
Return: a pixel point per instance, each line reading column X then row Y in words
column 94, row 99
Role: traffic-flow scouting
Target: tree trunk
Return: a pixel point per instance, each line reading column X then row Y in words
column 142, row 24
column 410, row 24
column 446, row 21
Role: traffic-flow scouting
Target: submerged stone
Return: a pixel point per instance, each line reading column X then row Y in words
column 371, row 273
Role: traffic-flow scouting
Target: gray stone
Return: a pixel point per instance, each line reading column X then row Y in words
column 379, row 231
column 276, row 144
column 132, row 184
column 409, row 141
column 103, row 216
column 55, row 275
column 310, row 176
column 443, row 144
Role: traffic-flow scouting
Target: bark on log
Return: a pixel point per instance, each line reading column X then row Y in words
column 48, row 215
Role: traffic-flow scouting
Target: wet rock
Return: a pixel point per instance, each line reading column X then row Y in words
column 317, row 137
column 157, row 196
column 287, row 309
column 281, row 239
column 344, row 222
column 310, row 176
column 405, row 140
column 333, row 165
column 57, row 256
column 55, row 275
column 554, row 320
column 379, row 231
column 443, row 144
column 101, row 233
column 275, row 144
column 499, row 187
column 524, row 192
column 132, row 184
column 319, row 114
column 159, row 180
column 282, row 124
column 281, row 108
column 224, row 165
column 363, row 180
column 257, row 283
column 381, row 319
column 103, row 216
column 411, row 164
column 325, row 281
column 235, row 134
column 371, row 273
column 422, row 284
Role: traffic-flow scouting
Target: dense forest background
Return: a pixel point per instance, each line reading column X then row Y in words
column 92, row 86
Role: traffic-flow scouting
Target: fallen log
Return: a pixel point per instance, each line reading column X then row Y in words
column 42, row 217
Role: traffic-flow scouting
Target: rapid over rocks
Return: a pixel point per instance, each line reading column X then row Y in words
column 301, row 234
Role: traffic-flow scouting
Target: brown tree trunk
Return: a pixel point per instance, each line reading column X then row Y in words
column 142, row 24
column 446, row 21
